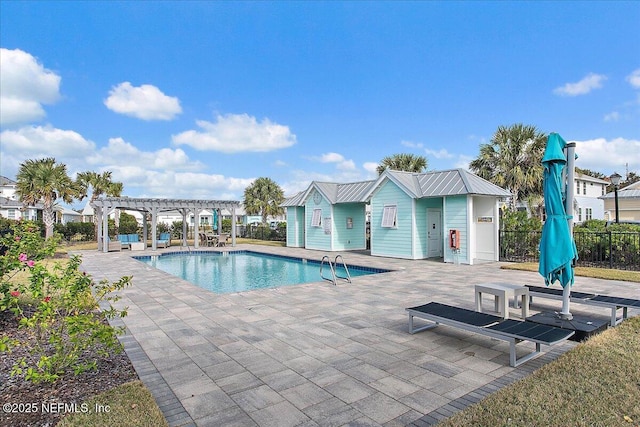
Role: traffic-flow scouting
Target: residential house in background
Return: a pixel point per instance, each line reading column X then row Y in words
column 588, row 204
column 10, row 205
column 628, row 204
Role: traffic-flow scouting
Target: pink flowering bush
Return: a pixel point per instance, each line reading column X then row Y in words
column 67, row 311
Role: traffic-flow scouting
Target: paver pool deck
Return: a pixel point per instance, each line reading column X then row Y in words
column 318, row 354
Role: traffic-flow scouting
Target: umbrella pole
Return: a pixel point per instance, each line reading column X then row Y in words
column 568, row 207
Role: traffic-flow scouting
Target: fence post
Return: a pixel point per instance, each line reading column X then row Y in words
column 610, row 250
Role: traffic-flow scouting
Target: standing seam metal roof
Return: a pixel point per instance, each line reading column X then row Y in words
column 419, row 185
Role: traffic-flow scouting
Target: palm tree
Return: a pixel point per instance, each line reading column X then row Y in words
column 403, row 162
column 45, row 181
column 263, row 197
column 512, row 160
column 100, row 184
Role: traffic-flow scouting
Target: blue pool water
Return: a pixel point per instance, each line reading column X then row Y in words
column 244, row 270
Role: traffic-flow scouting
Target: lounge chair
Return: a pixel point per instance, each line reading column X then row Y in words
column 512, row 331
column 610, row 302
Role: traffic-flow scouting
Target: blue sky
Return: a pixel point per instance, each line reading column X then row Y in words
column 197, row 99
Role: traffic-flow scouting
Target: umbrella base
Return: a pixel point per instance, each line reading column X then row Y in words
column 583, row 326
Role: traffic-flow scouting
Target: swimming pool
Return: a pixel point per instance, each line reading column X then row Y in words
column 237, row 271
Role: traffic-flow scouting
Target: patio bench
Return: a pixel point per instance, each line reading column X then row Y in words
column 610, row 302
column 512, row 331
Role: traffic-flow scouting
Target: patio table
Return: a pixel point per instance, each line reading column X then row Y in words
column 501, row 292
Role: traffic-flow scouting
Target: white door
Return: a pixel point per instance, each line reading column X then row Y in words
column 434, row 233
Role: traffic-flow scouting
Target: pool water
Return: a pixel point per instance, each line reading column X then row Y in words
column 244, row 270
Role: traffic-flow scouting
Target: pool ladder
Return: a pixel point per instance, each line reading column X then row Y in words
column 332, row 266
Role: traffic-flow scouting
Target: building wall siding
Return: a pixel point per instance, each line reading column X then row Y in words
column 295, row 227
column 392, row 242
column 349, row 238
column 316, row 238
column 456, row 217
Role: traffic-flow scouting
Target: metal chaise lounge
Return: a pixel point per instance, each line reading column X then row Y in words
column 512, row 331
column 610, row 302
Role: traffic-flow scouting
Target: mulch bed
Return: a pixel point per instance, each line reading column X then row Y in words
column 15, row 392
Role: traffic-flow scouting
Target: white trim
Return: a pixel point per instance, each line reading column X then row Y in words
column 389, row 216
column 316, row 218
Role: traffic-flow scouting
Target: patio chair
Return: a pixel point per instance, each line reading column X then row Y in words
column 113, row 245
column 164, row 240
column 222, row 240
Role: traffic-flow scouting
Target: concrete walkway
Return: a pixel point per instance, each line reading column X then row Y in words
column 318, row 354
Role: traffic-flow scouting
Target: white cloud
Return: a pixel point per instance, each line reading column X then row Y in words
column 371, row 168
column 145, row 102
column 463, row 162
column 613, row 116
column 119, row 153
column 45, row 141
column 590, row 82
column 234, row 133
column 439, row 154
column 634, row 79
column 411, row 144
column 339, row 160
column 606, row 156
column 25, row 85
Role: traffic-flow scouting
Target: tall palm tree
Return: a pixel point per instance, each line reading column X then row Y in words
column 45, row 181
column 263, row 197
column 100, row 184
column 512, row 160
column 403, row 162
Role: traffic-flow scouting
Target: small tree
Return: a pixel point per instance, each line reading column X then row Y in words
column 45, row 181
column 403, row 162
column 513, row 160
column 263, row 197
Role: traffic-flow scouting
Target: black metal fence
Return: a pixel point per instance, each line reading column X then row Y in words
column 608, row 249
column 254, row 231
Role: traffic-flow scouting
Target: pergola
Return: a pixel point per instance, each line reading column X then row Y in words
column 105, row 206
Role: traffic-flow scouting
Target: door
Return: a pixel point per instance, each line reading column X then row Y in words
column 434, row 233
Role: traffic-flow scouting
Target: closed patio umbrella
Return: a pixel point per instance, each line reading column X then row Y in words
column 557, row 248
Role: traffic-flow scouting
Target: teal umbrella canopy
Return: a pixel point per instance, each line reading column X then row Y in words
column 557, row 248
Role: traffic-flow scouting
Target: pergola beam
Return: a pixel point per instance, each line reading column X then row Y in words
column 105, row 205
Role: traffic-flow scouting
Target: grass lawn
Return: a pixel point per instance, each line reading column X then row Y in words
column 598, row 273
column 130, row 404
column 595, row 384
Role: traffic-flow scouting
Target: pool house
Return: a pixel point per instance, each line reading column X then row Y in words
column 452, row 215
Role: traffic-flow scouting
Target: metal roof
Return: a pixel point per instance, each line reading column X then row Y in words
column 443, row 183
column 6, row 181
column 295, row 200
column 622, row 194
column 352, row 192
column 418, row 185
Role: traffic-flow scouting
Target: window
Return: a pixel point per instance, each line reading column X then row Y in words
column 389, row 216
column 580, row 214
column 11, row 214
column 603, row 190
column 588, row 214
column 584, row 187
column 577, row 187
column 316, row 219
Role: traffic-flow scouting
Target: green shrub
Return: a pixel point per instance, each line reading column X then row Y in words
column 63, row 317
column 128, row 224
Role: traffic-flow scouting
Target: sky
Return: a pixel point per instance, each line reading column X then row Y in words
column 195, row 100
